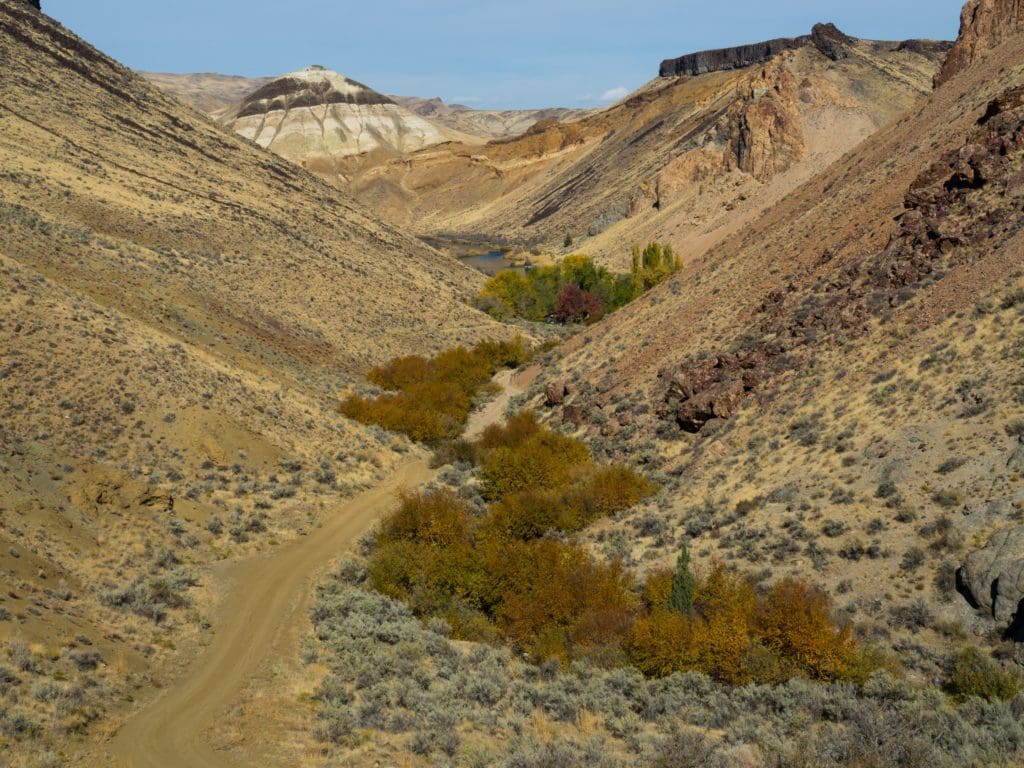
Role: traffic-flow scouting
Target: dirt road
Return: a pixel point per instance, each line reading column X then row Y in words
column 268, row 596
column 512, row 383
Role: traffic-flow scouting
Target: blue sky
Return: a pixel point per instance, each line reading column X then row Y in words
column 530, row 53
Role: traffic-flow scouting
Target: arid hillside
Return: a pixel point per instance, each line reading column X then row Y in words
column 206, row 91
column 835, row 389
column 485, row 123
column 216, row 94
column 316, row 118
column 179, row 311
column 684, row 160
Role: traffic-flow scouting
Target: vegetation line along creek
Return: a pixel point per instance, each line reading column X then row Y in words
column 267, row 596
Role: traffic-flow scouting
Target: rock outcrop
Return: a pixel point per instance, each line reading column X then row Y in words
column 722, row 59
column 825, row 37
column 764, row 135
column 994, row 576
column 832, row 43
column 316, row 116
column 984, row 24
column 34, row 3
column 970, row 200
column 713, row 388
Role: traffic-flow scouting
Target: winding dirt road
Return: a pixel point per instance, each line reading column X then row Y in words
column 267, row 597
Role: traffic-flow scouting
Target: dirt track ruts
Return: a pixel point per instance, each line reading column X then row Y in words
column 267, row 596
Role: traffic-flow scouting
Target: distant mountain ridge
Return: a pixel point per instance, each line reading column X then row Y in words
column 826, row 37
column 215, row 94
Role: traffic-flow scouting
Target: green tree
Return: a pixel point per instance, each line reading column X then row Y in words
column 680, row 600
column 653, row 265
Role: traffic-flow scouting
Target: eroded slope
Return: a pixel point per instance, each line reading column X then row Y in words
column 682, row 160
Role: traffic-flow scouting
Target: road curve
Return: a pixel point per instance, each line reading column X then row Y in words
column 267, row 596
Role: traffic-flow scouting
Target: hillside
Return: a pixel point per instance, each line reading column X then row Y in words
column 316, row 118
column 766, row 513
column 483, row 123
column 206, row 91
column 834, row 389
column 215, row 94
column 180, row 311
column 686, row 159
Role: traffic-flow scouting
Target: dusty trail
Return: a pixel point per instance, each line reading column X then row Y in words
column 512, row 383
column 268, row 596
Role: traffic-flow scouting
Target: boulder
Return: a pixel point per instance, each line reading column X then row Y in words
column 994, row 576
column 555, row 393
column 717, row 402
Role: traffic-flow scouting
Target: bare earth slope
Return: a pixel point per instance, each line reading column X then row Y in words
column 486, row 123
column 834, row 388
column 678, row 160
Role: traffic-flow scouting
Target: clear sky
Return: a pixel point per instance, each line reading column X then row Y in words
column 514, row 53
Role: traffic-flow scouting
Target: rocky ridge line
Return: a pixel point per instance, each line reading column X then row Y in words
column 825, row 37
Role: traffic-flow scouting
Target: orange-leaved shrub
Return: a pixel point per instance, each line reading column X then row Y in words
column 499, row 572
column 510, row 573
column 430, row 399
column 738, row 635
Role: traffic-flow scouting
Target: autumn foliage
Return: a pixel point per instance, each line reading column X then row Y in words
column 574, row 305
column 739, row 635
column 501, row 573
column 510, row 573
column 430, row 399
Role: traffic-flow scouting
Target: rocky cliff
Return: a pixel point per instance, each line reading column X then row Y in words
column 722, row 59
column 984, row 24
column 826, row 37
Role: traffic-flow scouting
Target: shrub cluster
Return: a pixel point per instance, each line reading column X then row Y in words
column 511, row 573
column 974, row 674
column 501, row 573
column 430, row 399
column 390, row 673
column 738, row 635
column 576, row 290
